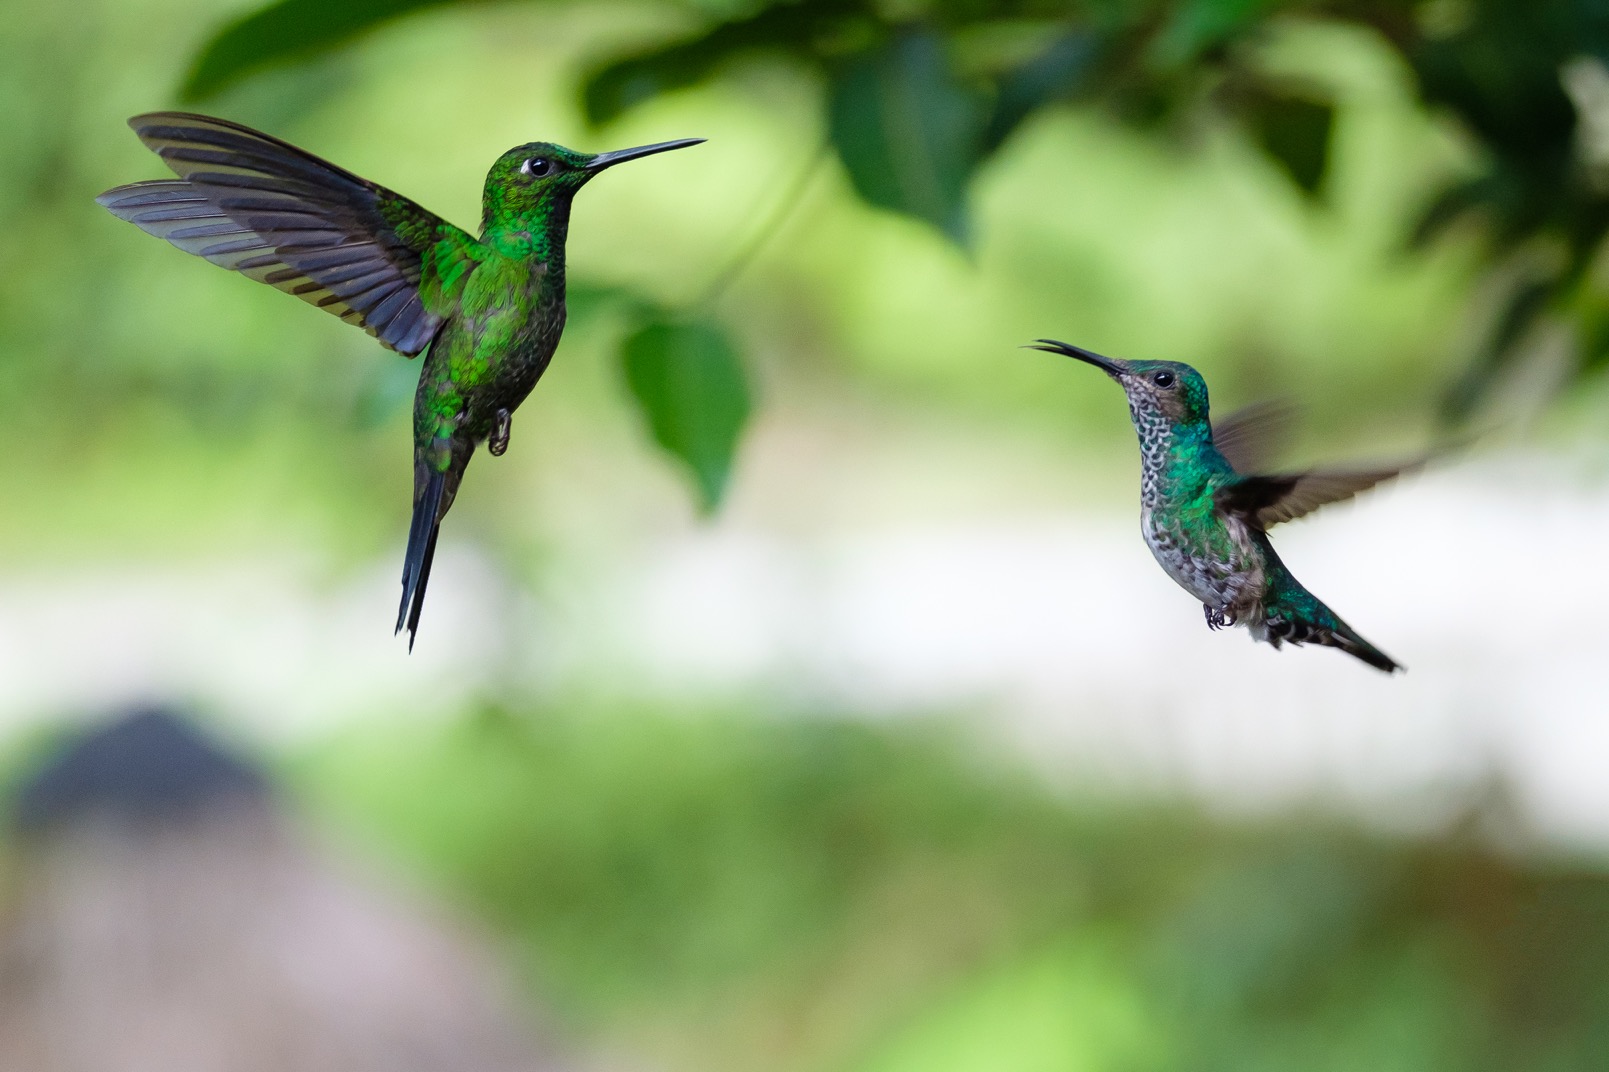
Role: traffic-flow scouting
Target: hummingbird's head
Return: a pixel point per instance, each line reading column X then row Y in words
column 1168, row 389
column 532, row 180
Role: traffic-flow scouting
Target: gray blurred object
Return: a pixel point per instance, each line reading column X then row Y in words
column 166, row 918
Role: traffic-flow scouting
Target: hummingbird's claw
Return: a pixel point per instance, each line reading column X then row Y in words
column 497, row 442
column 1215, row 617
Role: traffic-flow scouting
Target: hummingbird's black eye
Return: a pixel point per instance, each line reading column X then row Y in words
column 1163, row 379
column 537, row 166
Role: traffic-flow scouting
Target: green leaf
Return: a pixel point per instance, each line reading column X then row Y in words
column 908, row 131
column 1198, row 27
column 688, row 379
column 1065, row 69
column 1295, row 132
column 624, row 83
column 287, row 30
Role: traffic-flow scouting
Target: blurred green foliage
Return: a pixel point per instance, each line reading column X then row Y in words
column 730, row 892
column 921, row 94
column 170, row 409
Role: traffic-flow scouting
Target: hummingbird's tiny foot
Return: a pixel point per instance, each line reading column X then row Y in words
column 1215, row 617
column 497, row 442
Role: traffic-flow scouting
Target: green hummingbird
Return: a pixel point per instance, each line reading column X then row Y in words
column 1205, row 513
column 489, row 310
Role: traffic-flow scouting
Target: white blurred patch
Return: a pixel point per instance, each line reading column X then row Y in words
column 1486, row 581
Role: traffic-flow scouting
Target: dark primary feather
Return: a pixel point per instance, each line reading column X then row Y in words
column 1269, row 500
column 1250, row 437
column 259, row 206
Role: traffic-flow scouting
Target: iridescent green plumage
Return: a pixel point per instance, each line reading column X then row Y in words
column 1205, row 514
column 490, row 310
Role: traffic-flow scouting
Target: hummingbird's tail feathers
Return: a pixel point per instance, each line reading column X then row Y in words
column 421, row 551
column 1324, row 628
column 1349, row 641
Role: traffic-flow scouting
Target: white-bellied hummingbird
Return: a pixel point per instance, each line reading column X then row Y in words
column 1205, row 513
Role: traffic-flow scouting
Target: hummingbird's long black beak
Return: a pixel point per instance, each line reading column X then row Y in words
column 620, row 156
column 1110, row 366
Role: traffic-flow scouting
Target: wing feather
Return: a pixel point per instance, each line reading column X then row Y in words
column 259, row 206
column 1270, row 500
column 1253, row 435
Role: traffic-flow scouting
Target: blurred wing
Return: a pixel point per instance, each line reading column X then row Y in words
column 268, row 210
column 1251, row 436
column 1269, row 500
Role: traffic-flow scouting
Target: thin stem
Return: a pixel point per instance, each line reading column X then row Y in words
column 784, row 207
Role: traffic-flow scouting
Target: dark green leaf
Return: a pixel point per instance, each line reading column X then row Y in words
column 1197, row 27
column 1295, row 132
column 625, row 83
column 1064, row 69
column 688, row 379
column 909, row 133
column 286, row 30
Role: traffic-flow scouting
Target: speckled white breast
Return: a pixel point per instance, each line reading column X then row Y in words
column 1234, row 585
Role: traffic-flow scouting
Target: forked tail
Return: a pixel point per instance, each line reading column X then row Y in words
column 421, row 550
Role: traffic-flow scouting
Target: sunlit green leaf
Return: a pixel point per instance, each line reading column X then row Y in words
column 908, row 131
column 688, row 379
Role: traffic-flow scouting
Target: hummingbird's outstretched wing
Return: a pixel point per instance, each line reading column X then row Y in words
column 1268, row 500
column 259, row 206
column 1251, row 436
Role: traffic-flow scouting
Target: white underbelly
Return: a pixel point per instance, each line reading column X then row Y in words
column 1232, row 583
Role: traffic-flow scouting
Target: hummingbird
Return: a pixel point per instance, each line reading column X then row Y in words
column 1205, row 513
column 489, row 310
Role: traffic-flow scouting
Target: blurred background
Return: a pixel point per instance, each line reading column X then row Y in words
column 797, row 693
